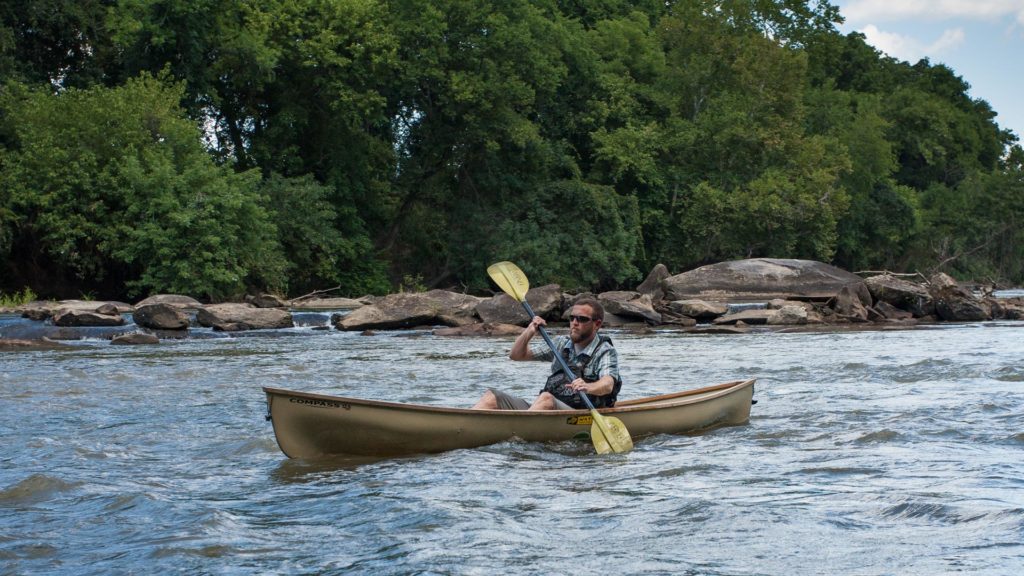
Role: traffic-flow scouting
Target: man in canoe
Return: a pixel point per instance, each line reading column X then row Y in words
column 591, row 356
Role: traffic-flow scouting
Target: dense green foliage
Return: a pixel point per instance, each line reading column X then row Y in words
column 218, row 146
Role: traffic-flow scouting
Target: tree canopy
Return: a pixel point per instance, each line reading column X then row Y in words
column 215, row 147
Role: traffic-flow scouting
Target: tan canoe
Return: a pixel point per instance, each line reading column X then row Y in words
column 316, row 425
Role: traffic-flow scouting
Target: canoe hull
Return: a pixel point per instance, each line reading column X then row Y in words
column 316, row 425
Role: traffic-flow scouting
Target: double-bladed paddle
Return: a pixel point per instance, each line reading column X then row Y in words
column 608, row 433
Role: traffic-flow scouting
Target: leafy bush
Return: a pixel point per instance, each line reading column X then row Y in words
column 114, row 184
column 25, row 296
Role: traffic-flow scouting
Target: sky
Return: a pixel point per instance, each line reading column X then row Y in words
column 982, row 41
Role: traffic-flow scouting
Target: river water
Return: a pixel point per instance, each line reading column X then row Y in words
column 868, row 452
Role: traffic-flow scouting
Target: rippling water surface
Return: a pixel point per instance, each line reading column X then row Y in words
column 874, row 452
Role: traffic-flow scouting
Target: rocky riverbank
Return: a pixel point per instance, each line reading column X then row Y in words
column 728, row 297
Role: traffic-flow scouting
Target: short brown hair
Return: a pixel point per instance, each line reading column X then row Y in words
column 598, row 310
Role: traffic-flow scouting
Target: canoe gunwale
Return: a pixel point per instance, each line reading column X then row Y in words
column 634, row 405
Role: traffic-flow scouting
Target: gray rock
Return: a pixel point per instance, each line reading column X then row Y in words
column 267, row 301
column 779, row 304
column 1006, row 309
column 954, row 303
column 941, row 281
column 890, row 312
column 670, row 317
column 237, row 317
column 43, row 309
column 761, row 316
column 651, row 286
column 901, row 294
column 328, row 304
column 176, row 300
column 699, row 309
column 789, row 315
column 80, row 317
column 161, row 317
column 17, row 344
column 630, row 305
column 37, row 311
column 546, row 302
column 410, row 309
column 135, row 338
column 759, row 279
column 848, row 305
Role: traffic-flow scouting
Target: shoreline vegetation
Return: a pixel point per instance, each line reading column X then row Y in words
column 727, row 298
column 218, row 149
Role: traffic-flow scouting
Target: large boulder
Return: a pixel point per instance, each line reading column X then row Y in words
column 848, row 305
column 105, row 315
column 410, row 309
column 328, row 304
column 161, row 317
column 902, row 294
column 651, row 285
column 954, row 303
column 176, row 300
column 265, row 300
column 546, row 302
column 789, row 315
column 236, row 317
column 630, row 305
column 759, row 279
column 698, row 309
column 670, row 317
column 43, row 309
column 890, row 312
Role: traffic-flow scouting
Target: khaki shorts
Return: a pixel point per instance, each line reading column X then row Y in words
column 510, row 402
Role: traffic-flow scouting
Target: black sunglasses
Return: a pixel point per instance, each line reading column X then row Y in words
column 580, row 319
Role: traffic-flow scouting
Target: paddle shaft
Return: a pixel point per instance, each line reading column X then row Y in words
column 561, row 361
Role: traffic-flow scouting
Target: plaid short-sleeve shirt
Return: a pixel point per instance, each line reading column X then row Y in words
column 600, row 359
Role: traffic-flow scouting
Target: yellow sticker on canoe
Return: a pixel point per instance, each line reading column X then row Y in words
column 580, row 420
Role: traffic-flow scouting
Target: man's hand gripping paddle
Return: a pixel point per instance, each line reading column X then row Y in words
column 608, row 433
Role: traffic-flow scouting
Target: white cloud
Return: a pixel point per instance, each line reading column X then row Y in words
column 950, row 40
column 859, row 11
column 909, row 48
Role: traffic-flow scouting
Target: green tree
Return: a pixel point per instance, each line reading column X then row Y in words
column 113, row 188
column 295, row 88
column 743, row 176
column 318, row 253
column 883, row 216
column 581, row 236
column 481, row 84
column 57, row 42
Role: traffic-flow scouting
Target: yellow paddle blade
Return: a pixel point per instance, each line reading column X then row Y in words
column 609, row 434
column 510, row 279
column 597, row 436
